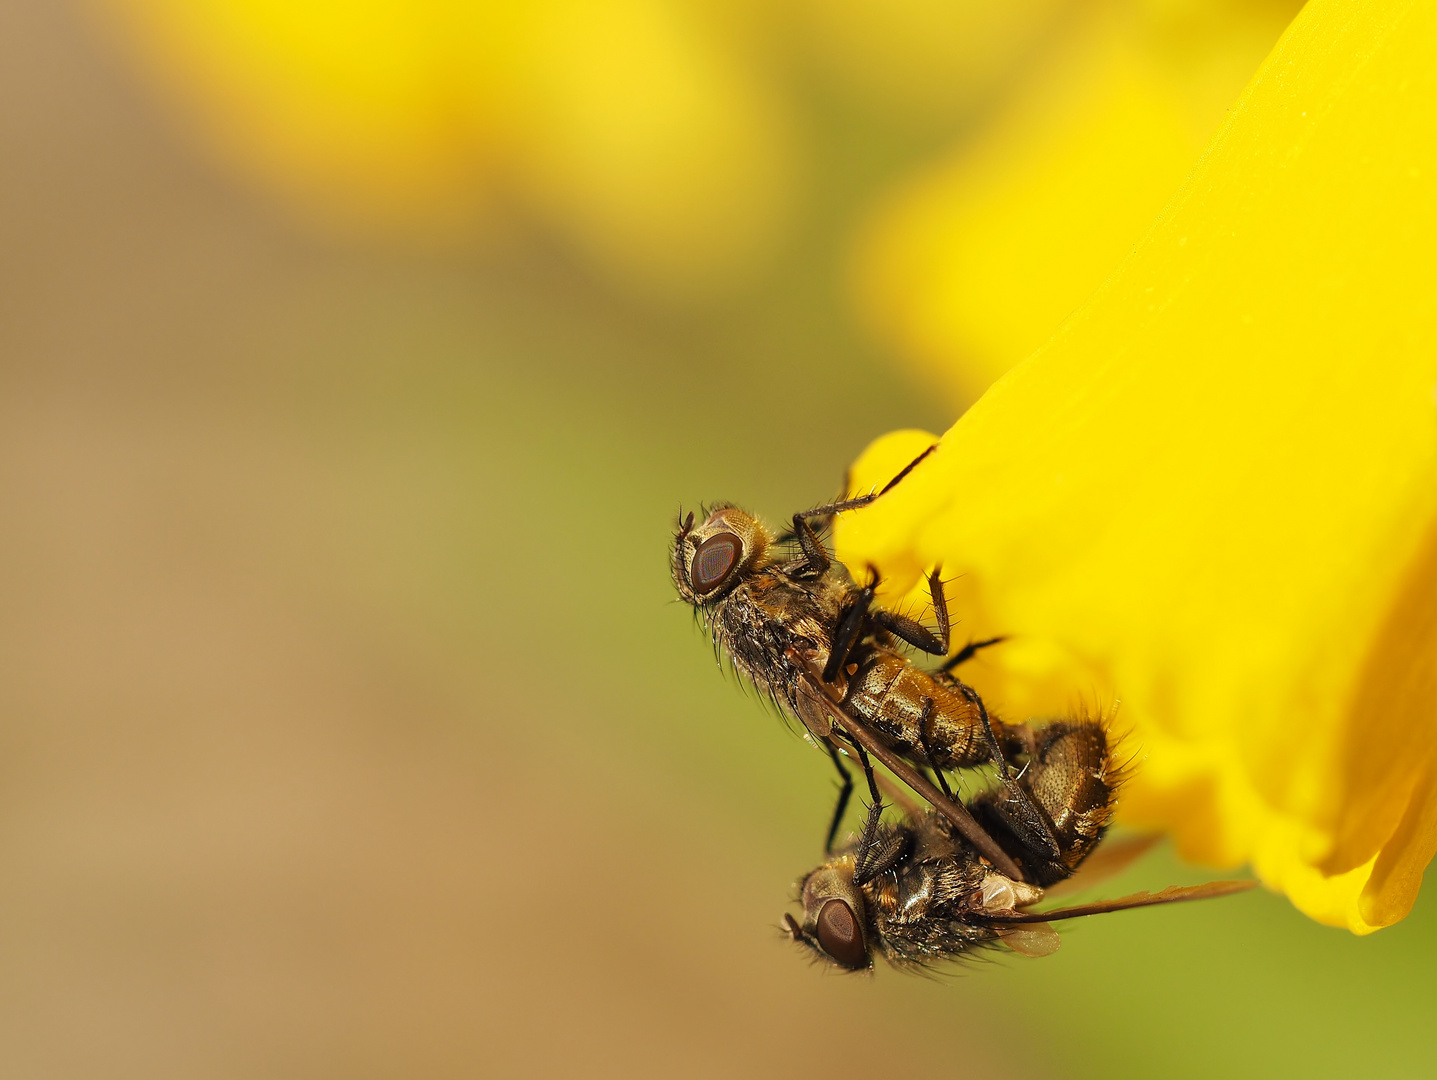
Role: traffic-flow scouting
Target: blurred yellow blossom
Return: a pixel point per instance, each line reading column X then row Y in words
column 627, row 126
column 971, row 264
column 668, row 143
column 1213, row 494
column 920, row 61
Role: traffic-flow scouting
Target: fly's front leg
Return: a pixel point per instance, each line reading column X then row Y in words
column 874, row 856
column 864, row 500
column 814, row 552
column 875, row 809
column 844, row 791
column 1028, row 820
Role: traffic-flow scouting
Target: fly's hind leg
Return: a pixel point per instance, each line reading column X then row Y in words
column 1071, row 775
column 1021, row 812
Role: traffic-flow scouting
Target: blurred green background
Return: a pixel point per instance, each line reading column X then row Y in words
column 349, row 727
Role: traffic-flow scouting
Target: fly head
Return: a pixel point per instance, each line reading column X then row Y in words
column 709, row 558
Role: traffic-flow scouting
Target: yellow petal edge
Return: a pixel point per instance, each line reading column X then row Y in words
column 1212, row 496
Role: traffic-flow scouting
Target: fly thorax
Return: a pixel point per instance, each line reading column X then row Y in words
column 917, row 890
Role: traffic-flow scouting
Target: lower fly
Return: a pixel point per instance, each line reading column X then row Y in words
column 917, row 891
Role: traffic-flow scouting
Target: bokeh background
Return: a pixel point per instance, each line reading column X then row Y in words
column 348, row 726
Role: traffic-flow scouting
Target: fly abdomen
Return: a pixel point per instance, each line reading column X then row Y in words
column 919, row 716
column 1074, row 778
column 1071, row 775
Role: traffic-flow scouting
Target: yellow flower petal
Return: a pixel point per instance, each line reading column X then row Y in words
column 1213, row 495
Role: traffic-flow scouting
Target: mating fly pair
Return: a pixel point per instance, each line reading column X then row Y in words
column 793, row 620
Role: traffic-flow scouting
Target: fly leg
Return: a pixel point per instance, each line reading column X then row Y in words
column 967, row 652
column 865, row 855
column 924, row 719
column 851, row 626
column 864, row 500
column 920, row 637
column 873, row 792
column 824, row 696
column 845, row 790
column 1020, row 811
column 875, row 854
column 814, row 553
column 860, row 614
column 914, row 632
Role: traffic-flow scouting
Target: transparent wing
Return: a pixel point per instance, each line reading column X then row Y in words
column 1114, row 855
column 1034, row 939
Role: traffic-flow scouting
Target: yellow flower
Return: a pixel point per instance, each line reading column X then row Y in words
column 971, row 264
column 669, row 144
column 634, row 128
column 1213, row 494
column 924, row 62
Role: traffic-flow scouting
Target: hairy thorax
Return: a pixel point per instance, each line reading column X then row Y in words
column 919, row 908
column 770, row 612
column 913, row 711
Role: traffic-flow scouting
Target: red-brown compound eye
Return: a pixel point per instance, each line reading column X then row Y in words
column 713, row 561
column 840, row 936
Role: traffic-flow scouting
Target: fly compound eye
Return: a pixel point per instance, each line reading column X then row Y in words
column 840, row 936
column 714, row 561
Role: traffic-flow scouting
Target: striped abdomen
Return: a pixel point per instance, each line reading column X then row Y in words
column 923, row 717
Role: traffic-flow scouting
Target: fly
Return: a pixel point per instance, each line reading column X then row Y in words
column 792, row 619
column 916, row 892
